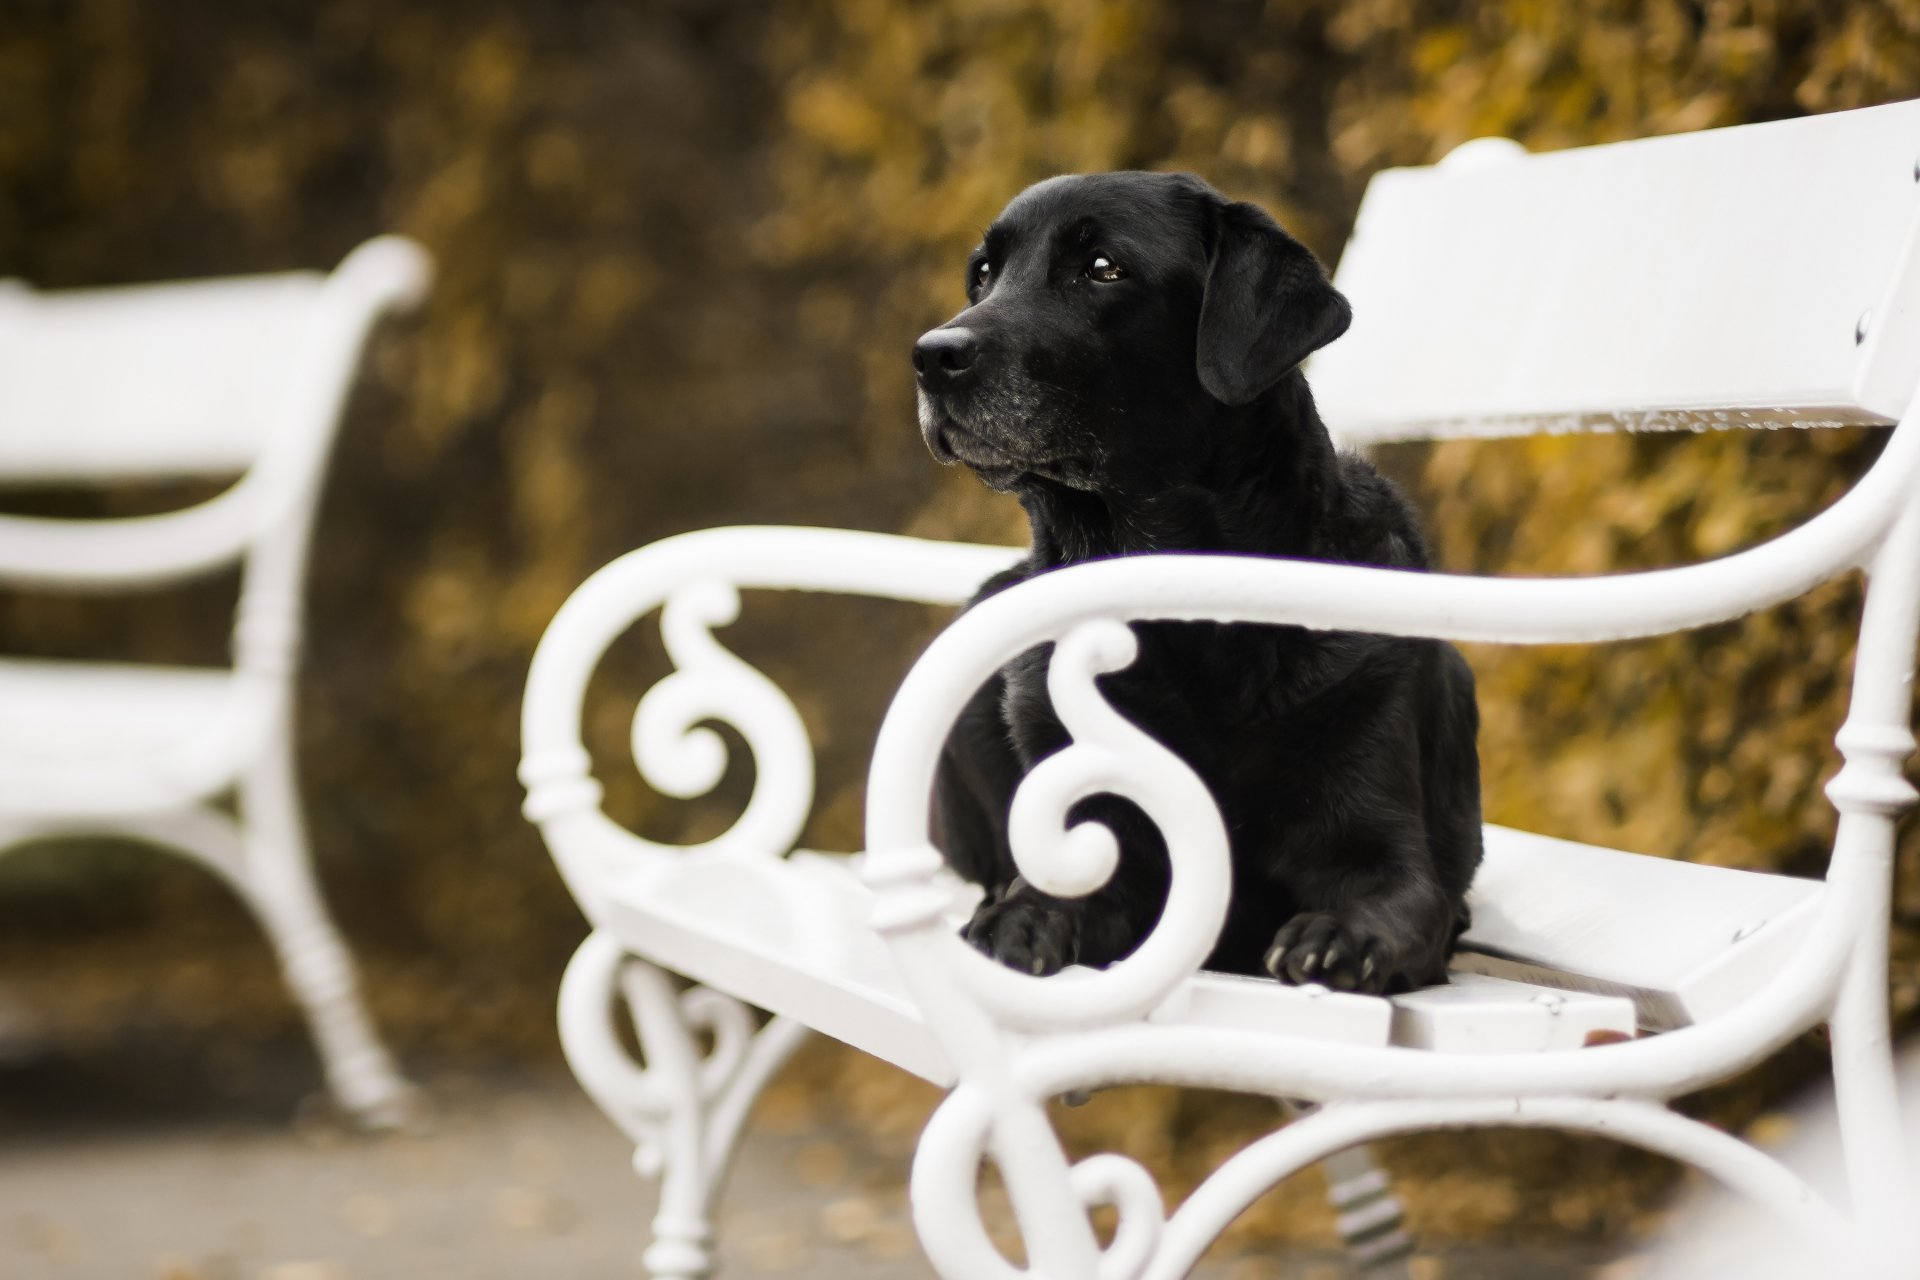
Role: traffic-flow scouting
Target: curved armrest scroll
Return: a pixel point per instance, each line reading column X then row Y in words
column 694, row 579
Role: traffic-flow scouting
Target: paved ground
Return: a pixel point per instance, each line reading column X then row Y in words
column 517, row 1179
column 136, row 1167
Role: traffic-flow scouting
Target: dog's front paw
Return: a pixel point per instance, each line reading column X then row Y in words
column 1027, row 931
column 1340, row 953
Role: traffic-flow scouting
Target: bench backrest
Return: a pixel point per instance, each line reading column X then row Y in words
column 244, row 376
column 1759, row 275
column 1765, row 275
column 146, row 382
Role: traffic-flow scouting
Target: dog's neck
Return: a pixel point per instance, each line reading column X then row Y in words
column 1257, row 478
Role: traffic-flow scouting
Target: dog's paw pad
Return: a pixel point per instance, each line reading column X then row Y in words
column 1318, row 947
column 1027, row 933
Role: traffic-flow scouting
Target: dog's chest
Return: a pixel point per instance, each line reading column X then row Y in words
column 1255, row 710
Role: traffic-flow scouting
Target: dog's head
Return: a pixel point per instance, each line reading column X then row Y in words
column 1107, row 313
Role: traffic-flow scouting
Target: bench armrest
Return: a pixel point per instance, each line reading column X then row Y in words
column 694, row 580
column 133, row 551
column 1084, row 609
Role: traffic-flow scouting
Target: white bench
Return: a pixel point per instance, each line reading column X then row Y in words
column 243, row 376
column 1755, row 276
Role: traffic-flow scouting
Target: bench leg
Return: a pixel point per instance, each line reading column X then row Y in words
column 1050, row 1197
column 1368, row 1215
column 684, row 1110
column 1866, row 1093
column 276, row 877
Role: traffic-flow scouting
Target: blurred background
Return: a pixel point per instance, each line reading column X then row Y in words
column 683, row 250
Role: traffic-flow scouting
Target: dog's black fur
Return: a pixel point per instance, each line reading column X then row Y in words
column 1127, row 366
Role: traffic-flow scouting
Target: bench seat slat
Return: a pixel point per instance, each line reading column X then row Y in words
column 791, row 936
column 788, row 936
column 83, row 737
column 1682, row 940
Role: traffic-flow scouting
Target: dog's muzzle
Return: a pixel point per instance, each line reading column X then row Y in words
column 943, row 359
column 933, row 429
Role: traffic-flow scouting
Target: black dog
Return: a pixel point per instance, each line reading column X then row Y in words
column 1128, row 367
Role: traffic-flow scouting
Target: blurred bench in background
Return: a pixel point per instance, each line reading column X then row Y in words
column 244, row 376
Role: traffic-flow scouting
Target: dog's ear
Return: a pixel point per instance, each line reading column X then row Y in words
column 1268, row 305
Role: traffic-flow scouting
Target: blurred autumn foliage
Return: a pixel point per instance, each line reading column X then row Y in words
column 683, row 250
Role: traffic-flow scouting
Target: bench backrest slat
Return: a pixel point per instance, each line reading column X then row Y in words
column 1759, row 275
column 149, row 381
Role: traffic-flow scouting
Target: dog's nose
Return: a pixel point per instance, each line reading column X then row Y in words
column 942, row 355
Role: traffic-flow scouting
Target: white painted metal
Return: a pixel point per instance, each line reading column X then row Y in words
column 101, row 384
column 1474, row 1013
column 1747, row 963
column 215, row 377
column 280, row 434
column 683, row 1110
column 1684, row 941
column 791, row 936
column 93, row 737
column 1509, row 298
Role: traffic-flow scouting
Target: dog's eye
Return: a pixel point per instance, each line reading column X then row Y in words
column 1105, row 269
column 982, row 272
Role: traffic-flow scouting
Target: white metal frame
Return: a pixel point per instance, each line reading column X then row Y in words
column 1008, row 1042
column 155, row 748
